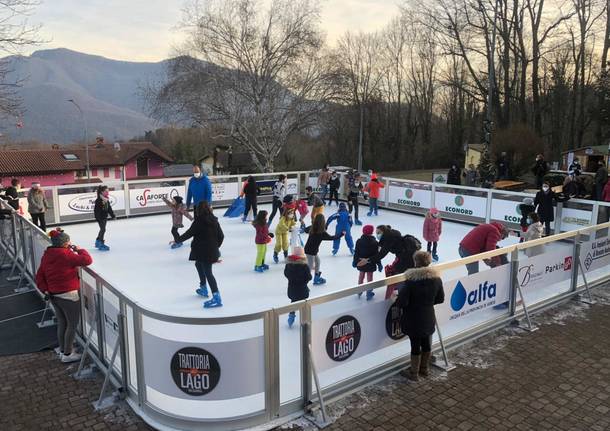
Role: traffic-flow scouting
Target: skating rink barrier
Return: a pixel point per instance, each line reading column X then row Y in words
column 251, row 370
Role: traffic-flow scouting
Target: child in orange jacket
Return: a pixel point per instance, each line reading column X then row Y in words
column 373, row 188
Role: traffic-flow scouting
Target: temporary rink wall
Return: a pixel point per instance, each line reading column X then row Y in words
column 183, row 373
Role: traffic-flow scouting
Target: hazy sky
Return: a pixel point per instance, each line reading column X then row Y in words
column 144, row 30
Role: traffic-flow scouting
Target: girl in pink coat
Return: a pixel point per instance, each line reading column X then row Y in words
column 433, row 226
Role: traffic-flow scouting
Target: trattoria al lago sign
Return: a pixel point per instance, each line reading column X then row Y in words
column 83, row 203
column 343, row 338
column 195, row 371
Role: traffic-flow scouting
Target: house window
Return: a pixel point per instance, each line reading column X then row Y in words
column 94, row 172
column 117, row 173
column 70, row 157
column 106, row 172
column 142, row 167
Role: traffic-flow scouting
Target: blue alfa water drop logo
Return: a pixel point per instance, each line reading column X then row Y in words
column 458, row 297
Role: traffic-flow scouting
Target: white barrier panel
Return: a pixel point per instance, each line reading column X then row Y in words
column 355, row 333
column 540, row 276
column 224, row 191
column 505, row 211
column 405, row 195
column 110, row 316
column 151, row 197
column 574, row 219
column 473, row 206
column 595, row 254
column 84, row 203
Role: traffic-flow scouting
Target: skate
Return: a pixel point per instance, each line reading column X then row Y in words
column 369, row 295
column 351, row 251
column 369, row 214
column 214, row 302
column 98, row 243
column 360, row 295
column 335, row 252
column 103, row 247
column 318, row 280
column 302, row 230
column 244, row 219
column 358, row 222
column 291, row 317
column 176, row 245
column 202, row 291
column 265, row 267
column 435, row 257
column 259, row 269
column 285, row 254
column 276, row 259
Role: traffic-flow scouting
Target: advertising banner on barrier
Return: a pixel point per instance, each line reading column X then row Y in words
column 355, row 333
column 439, row 177
column 406, row 195
column 467, row 296
column 225, row 191
column 265, row 187
column 545, row 269
column 595, row 254
column 473, row 206
column 83, row 203
column 573, row 219
column 506, row 211
column 212, row 371
column 151, row 197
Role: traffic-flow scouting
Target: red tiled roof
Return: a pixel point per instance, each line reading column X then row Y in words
column 23, row 162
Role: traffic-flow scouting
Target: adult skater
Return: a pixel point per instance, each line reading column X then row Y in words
column 199, row 189
column 481, row 239
column 250, row 191
column 403, row 248
column 37, row 206
column 323, row 180
column 57, row 278
column 544, row 201
column 454, row 176
column 334, row 184
column 205, row 250
column 423, row 289
column 354, row 188
column 344, row 226
column 102, row 210
column 540, row 169
column 279, row 192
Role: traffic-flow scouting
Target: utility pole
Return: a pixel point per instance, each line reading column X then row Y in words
column 82, row 115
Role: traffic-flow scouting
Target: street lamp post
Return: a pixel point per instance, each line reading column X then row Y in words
column 82, row 114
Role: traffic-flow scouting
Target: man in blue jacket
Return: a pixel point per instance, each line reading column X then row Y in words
column 199, row 189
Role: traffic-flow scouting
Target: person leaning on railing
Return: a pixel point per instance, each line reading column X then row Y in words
column 422, row 290
column 481, row 239
column 58, row 279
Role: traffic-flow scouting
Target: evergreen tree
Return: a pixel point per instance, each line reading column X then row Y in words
column 486, row 168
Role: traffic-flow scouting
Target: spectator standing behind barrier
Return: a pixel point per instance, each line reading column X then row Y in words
column 323, row 180
column 544, row 201
column 199, row 189
column 575, row 167
column 601, row 178
column 37, row 206
column 11, row 195
column 454, row 176
column 540, row 169
column 503, row 166
column 471, row 175
column 481, row 239
column 57, row 278
column 422, row 290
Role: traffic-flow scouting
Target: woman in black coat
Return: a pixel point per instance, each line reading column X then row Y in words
column 251, row 193
column 423, row 289
column 454, row 176
column 544, row 202
column 205, row 250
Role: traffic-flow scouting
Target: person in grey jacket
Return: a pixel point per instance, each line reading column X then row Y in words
column 37, row 206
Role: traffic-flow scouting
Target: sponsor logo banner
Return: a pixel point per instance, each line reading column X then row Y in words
column 343, row 338
column 406, row 195
column 195, row 371
column 265, row 187
column 151, row 197
column 473, row 206
column 506, row 211
column 225, row 191
column 595, row 254
column 545, row 270
column 573, row 219
column 84, row 203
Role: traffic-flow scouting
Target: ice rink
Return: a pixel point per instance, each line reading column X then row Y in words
column 141, row 263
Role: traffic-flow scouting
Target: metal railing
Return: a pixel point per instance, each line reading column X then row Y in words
column 253, row 370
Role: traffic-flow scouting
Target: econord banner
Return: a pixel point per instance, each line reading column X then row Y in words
column 406, row 195
column 545, row 270
column 151, row 197
column 469, row 296
column 506, row 211
column 473, row 206
column 84, row 203
column 355, row 333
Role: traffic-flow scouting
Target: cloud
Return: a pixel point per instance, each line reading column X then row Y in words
column 145, row 30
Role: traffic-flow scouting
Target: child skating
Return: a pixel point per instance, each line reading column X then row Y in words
column 344, row 226
column 102, row 210
column 366, row 247
column 298, row 274
column 314, row 201
column 373, row 188
column 263, row 237
column 317, row 234
column 178, row 212
column 433, row 227
column 282, row 231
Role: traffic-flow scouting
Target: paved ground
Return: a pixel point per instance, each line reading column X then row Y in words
column 557, row 378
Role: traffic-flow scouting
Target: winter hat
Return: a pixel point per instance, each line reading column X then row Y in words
column 528, row 201
column 298, row 253
column 59, row 237
column 373, row 177
column 342, row 206
column 368, row 229
column 178, row 199
column 433, row 211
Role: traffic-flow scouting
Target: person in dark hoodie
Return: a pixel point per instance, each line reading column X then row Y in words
column 454, row 176
column 544, row 201
column 317, row 234
column 205, row 250
column 11, row 195
column 298, row 274
column 102, row 210
column 366, row 247
column 250, row 191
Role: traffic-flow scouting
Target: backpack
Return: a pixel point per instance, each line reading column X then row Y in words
column 411, row 243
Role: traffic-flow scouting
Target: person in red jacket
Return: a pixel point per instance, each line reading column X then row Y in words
column 373, row 189
column 483, row 238
column 58, row 279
